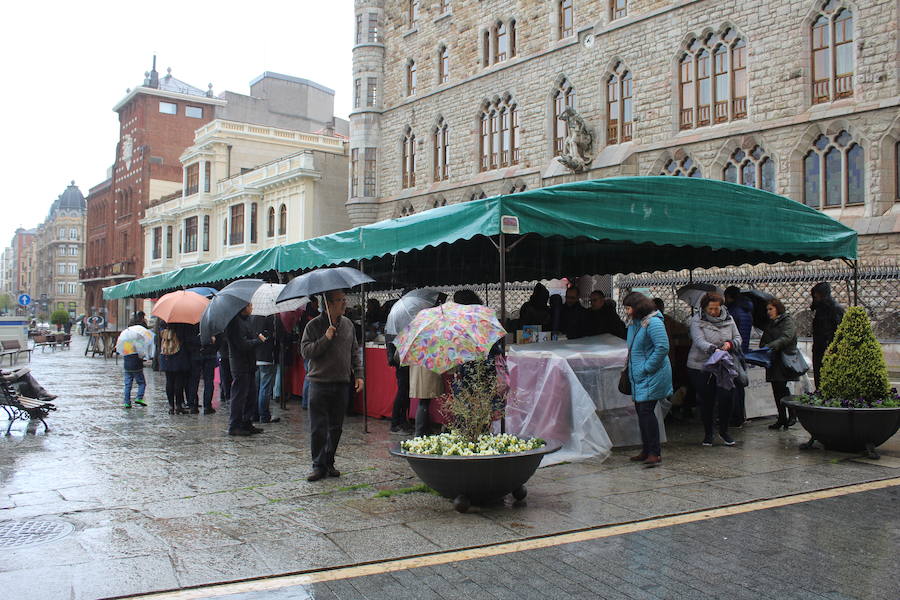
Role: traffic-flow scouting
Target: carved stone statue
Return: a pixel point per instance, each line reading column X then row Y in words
column 578, row 147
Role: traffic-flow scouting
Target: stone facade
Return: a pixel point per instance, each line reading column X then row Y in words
column 780, row 115
column 246, row 188
column 59, row 255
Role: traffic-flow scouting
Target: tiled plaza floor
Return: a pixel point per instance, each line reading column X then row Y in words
column 162, row 502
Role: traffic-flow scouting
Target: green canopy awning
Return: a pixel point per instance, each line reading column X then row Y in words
column 601, row 226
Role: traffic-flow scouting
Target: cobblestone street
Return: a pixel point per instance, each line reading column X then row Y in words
column 159, row 502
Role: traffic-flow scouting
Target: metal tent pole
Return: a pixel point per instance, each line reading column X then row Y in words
column 361, row 266
column 502, row 249
column 855, row 265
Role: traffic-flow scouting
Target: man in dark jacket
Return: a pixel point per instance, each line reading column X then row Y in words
column 329, row 344
column 536, row 310
column 265, row 369
column 601, row 317
column 827, row 317
column 741, row 310
column 242, row 342
column 572, row 315
column 203, row 367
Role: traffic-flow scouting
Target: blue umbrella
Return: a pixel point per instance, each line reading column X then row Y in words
column 208, row 292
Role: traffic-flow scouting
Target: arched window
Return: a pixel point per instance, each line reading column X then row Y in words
column 501, row 41
column 441, row 150
column 619, row 117
column 833, row 172
column 712, row 80
column 756, row 169
column 563, row 97
column 517, row 188
column 411, row 78
column 443, row 64
column 477, row 196
column 566, row 18
column 512, row 38
column 681, row 168
column 282, row 220
column 253, row 223
column 408, row 166
column 499, row 138
column 832, row 53
column 617, row 9
column 438, row 202
column 413, row 13
column 270, row 227
column 407, row 210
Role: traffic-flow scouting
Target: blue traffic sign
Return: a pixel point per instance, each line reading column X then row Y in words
column 24, row 299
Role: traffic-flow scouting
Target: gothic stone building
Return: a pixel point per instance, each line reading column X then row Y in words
column 459, row 99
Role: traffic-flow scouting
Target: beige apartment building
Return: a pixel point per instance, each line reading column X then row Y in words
column 247, row 187
column 58, row 255
column 461, row 99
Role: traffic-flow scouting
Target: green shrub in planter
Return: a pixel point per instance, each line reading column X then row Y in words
column 853, row 367
column 60, row 317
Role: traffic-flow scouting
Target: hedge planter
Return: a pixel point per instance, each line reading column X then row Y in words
column 847, row 429
column 471, row 480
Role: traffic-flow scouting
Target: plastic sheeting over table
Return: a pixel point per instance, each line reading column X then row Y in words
column 568, row 391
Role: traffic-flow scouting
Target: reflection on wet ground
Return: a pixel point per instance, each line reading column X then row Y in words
column 161, row 501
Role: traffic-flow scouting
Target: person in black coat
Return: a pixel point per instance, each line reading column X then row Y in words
column 601, row 317
column 741, row 310
column 203, row 367
column 536, row 310
column 827, row 316
column 242, row 341
column 265, row 368
column 572, row 315
column 175, row 361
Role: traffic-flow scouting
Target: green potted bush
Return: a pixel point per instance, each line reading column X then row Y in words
column 856, row 409
column 469, row 464
column 59, row 318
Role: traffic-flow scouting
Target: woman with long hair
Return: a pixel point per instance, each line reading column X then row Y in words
column 648, row 369
column 780, row 336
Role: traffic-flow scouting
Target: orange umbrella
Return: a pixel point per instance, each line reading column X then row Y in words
column 180, row 307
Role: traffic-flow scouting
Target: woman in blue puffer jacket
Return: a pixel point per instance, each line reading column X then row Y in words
column 649, row 370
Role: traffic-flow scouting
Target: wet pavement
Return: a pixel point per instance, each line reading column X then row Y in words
column 161, row 501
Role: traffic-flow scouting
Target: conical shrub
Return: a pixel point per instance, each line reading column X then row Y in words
column 853, row 366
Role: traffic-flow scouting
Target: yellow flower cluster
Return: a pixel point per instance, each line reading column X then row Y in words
column 451, row 444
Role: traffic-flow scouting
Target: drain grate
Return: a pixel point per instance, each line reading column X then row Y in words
column 16, row 534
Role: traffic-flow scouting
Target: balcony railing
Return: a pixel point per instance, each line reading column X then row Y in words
column 125, row 267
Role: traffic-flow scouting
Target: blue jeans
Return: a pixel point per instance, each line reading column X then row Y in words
column 265, row 381
column 131, row 377
column 305, row 401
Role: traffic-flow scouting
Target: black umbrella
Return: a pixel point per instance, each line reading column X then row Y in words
column 322, row 280
column 760, row 299
column 242, row 288
column 225, row 305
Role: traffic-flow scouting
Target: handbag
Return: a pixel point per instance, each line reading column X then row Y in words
column 740, row 367
column 624, row 379
column 794, row 363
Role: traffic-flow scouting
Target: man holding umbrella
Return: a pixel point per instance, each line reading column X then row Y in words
column 329, row 344
column 242, row 342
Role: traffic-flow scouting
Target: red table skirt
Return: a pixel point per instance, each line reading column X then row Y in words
column 381, row 388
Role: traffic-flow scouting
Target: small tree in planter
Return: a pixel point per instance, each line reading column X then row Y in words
column 853, row 368
column 855, row 408
column 59, row 318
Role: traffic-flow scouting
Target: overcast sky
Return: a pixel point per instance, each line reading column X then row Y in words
column 66, row 64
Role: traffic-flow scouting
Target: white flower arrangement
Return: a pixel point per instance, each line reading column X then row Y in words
column 452, row 444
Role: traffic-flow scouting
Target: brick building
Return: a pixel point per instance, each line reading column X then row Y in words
column 157, row 121
column 459, row 99
column 21, row 262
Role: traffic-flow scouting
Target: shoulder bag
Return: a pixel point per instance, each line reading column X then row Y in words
column 794, row 363
column 624, row 379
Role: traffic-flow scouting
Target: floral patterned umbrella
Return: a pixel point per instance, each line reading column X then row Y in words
column 451, row 334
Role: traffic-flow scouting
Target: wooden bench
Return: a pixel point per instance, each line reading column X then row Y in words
column 20, row 407
column 44, row 341
column 13, row 348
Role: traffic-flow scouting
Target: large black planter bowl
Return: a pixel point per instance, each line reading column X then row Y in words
column 847, row 429
column 477, row 479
